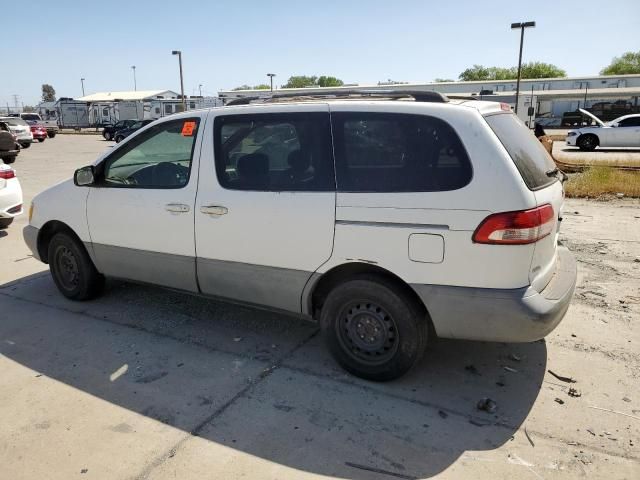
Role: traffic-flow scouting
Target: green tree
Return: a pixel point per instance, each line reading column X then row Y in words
column 48, row 93
column 262, row 86
column 324, row 81
column 529, row 70
column 243, row 87
column 28, row 109
column 443, row 80
column 301, row 81
column 629, row 62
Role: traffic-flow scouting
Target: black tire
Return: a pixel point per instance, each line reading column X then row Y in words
column 5, row 222
column 9, row 160
column 107, row 136
column 119, row 138
column 51, row 134
column 41, row 140
column 71, row 268
column 587, row 142
column 25, row 145
column 370, row 306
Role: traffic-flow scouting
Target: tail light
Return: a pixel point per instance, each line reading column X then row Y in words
column 516, row 228
column 7, row 174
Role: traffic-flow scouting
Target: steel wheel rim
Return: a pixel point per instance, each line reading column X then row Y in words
column 367, row 332
column 67, row 269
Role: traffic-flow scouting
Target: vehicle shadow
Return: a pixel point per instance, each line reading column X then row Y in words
column 262, row 383
column 3, row 233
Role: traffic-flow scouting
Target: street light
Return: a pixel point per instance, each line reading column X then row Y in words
column 82, row 82
column 271, row 75
column 200, row 88
column 135, row 85
column 179, row 53
column 521, row 26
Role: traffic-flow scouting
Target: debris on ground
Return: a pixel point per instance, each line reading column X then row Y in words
column 509, row 369
column 443, row 414
column 559, row 400
column 574, row 393
column 479, row 423
column 561, row 378
column 626, row 399
column 528, row 437
column 591, row 432
column 487, row 405
column 472, row 369
column 514, row 357
column 237, row 339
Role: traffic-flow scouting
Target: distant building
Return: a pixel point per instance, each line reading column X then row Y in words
column 607, row 96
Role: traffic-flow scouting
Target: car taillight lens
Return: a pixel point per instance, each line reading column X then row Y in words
column 7, row 174
column 516, row 228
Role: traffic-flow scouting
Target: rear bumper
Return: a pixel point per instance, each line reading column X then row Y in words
column 517, row 315
column 30, row 234
column 11, row 199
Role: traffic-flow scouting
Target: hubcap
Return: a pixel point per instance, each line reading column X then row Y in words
column 67, row 267
column 367, row 332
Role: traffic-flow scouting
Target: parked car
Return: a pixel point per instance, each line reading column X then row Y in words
column 9, row 147
column 622, row 132
column 125, row 132
column 109, row 131
column 10, row 196
column 387, row 221
column 21, row 129
column 35, row 118
column 39, row 132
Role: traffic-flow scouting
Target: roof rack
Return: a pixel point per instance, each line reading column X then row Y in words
column 417, row 95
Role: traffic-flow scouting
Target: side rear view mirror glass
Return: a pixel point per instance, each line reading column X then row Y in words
column 84, row 176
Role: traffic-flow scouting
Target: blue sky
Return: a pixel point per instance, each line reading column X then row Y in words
column 227, row 43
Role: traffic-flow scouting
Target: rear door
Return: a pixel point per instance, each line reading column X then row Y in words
column 266, row 207
column 627, row 133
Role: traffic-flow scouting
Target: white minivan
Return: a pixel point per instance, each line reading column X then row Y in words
column 388, row 218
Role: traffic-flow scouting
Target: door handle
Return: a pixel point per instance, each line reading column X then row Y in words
column 214, row 210
column 176, row 207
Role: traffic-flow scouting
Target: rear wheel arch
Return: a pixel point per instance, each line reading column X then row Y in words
column 47, row 232
column 337, row 275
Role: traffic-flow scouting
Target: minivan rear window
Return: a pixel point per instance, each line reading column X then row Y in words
column 531, row 159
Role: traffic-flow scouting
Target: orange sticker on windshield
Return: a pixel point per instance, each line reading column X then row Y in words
column 188, row 128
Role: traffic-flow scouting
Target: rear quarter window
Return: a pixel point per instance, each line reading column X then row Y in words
column 531, row 159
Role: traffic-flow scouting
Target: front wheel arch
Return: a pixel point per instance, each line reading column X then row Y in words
column 47, row 232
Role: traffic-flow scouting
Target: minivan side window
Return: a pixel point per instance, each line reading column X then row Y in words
column 397, row 152
column 160, row 157
column 530, row 157
column 274, row 152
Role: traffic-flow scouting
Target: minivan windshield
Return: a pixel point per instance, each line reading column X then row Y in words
column 531, row 159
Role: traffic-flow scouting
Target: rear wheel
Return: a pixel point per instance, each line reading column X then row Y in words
column 51, row 134
column 107, row 135
column 119, row 138
column 587, row 142
column 71, row 268
column 41, row 140
column 25, row 145
column 373, row 329
column 9, row 160
column 5, row 222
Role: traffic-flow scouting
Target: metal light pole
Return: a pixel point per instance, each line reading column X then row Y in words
column 200, row 89
column 184, row 102
column 271, row 75
column 135, row 84
column 521, row 26
column 82, row 82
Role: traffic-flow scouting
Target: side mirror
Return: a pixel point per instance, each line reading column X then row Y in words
column 84, row 176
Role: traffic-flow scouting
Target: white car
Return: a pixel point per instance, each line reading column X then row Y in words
column 20, row 129
column 388, row 220
column 10, row 196
column 622, row 132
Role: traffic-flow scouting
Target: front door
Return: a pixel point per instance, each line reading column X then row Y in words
column 140, row 214
column 265, row 213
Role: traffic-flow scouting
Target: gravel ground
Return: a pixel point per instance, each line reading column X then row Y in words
column 147, row 383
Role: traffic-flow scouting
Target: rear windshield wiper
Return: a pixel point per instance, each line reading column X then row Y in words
column 554, row 173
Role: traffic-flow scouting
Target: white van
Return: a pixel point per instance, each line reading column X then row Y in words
column 388, row 220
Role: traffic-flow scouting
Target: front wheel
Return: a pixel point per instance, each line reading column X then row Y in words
column 25, row 145
column 41, row 140
column 71, row 268
column 5, row 222
column 119, row 138
column 587, row 142
column 9, row 160
column 51, row 134
column 373, row 329
column 107, row 136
